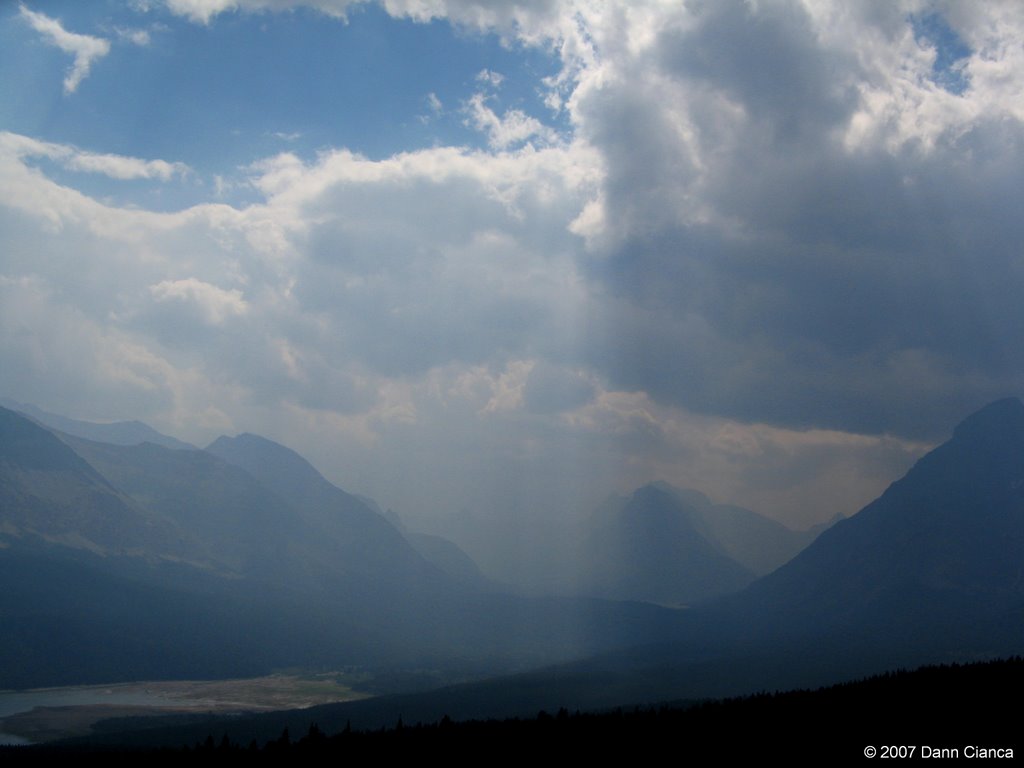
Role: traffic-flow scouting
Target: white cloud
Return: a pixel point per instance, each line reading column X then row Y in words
column 114, row 166
column 203, row 11
column 138, row 37
column 85, row 48
column 216, row 304
column 120, row 167
column 434, row 106
column 494, row 79
column 48, row 340
column 512, row 128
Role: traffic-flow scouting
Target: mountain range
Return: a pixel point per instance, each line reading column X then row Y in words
column 116, row 432
column 143, row 561
column 124, row 562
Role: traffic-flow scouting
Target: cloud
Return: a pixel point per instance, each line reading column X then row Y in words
column 46, row 340
column 85, row 48
column 203, row 11
column 532, row 19
column 352, row 271
column 785, row 218
column 771, row 236
column 114, row 166
column 512, row 128
column 494, row 79
column 214, row 303
column 138, row 37
column 551, row 389
column 120, row 167
column 435, row 107
column 796, row 224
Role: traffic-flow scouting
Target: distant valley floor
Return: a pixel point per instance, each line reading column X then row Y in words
column 47, row 714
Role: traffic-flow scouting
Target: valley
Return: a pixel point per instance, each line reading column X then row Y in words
column 137, row 562
column 40, row 715
column 625, row 378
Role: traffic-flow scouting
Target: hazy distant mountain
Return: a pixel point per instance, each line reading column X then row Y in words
column 237, row 522
column 117, row 432
column 446, row 555
column 674, row 546
column 931, row 571
column 361, row 538
column 442, row 552
column 755, row 541
column 650, row 547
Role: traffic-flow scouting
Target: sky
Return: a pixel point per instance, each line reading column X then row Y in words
column 488, row 262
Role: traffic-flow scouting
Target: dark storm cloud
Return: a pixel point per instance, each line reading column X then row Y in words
column 765, row 269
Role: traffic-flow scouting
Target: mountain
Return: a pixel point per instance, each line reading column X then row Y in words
column 117, row 432
column 756, row 542
column 930, row 572
column 234, row 521
column 447, row 556
column 675, row 546
column 649, row 547
column 143, row 562
column 937, row 561
column 361, row 538
column 49, row 492
column 443, row 553
column 99, row 586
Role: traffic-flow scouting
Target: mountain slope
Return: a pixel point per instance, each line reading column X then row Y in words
column 49, row 491
column 756, row 542
column 940, row 552
column 363, row 540
column 233, row 520
column 648, row 548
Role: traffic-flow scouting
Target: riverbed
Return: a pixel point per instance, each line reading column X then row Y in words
column 46, row 714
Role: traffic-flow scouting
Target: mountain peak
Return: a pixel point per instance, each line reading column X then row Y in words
column 1003, row 418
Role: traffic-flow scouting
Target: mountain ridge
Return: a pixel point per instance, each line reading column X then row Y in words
column 132, row 432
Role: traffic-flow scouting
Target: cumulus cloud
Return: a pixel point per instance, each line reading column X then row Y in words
column 796, row 221
column 85, row 48
column 773, row 237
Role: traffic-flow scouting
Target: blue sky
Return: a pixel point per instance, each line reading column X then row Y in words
column 509, row 258
column 251, row 85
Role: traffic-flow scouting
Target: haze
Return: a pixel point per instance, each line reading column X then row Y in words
column 489, row 263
